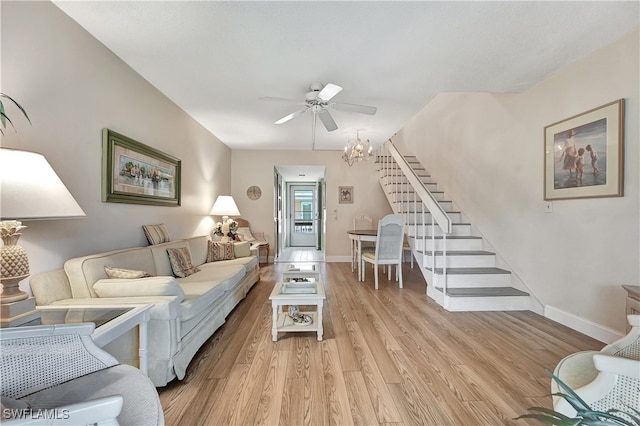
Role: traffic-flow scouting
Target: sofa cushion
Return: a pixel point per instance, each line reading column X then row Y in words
column 151, row 286
column 125, row 273
column 199, row 247
column 227, row 274
column 180, row 259
column 220, row 251
column 249, row 263
column 242, row 249
column 204, row 288
column 156, row 234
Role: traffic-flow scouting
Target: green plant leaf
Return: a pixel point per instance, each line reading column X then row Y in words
column 4, row 95
column 575, row 400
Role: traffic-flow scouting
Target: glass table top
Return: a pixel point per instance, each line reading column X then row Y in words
column 70, row 315
column 292, row 287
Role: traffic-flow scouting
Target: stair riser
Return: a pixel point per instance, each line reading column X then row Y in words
column 456, row 217
column 409, row 196
column 427, row 181
column 470, row 304
column 462, row 261
column 462, row 230
column 447, row 206
column 477, row 304
column 473, row 280
column 451, row 244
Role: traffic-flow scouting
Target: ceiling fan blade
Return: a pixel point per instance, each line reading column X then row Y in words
column 327, row 120
column 328, row 92
column 362, row 109
column 290, row 116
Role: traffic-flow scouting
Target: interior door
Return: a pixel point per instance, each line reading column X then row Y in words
column 303, row 215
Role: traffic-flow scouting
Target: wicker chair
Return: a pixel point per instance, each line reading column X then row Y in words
column 388, row 247
column 605, row 379
column 57, row 375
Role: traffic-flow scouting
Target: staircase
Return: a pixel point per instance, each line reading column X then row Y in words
column 462, row 271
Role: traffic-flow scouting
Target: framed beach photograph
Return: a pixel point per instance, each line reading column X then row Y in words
column 345, row 194
column 584, row 154
column 135, row 173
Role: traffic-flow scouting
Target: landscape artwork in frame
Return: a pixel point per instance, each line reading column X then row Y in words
column 584, row 154
column 138, row 174
column 345, row 194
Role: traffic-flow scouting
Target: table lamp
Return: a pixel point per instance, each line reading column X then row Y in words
column 225, row 206
column 29, row 190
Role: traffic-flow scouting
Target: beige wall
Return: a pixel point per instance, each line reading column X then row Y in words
column 72, row 87
column 256, row 167
column 486, row 151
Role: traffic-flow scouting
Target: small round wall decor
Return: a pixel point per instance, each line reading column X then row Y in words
column 254, row 192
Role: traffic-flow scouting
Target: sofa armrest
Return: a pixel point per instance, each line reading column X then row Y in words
column 100, row 412
column 50, row 287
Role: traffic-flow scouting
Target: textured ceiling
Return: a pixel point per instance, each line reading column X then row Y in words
column 217, row 59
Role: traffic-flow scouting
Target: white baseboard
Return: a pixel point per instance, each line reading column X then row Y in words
column 585, row 326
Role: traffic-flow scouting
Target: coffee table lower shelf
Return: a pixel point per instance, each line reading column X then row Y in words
column 285, row 324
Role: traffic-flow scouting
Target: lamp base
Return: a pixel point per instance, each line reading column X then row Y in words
column 10, row 289
column 18, row 313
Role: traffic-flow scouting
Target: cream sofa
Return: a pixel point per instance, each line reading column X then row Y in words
column 186, row 312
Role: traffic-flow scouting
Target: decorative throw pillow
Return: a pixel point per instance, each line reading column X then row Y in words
column 156, row 234
column 220, row 251
column 242, row 249
column 180, row 259
column 125, row 273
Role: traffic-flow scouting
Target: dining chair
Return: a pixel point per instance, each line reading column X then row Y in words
column 388, row 249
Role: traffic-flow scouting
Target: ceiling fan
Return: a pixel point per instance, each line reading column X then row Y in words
column 317, row 100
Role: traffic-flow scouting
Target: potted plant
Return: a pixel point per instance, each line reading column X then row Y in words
column 4, row 119
column 584, row 414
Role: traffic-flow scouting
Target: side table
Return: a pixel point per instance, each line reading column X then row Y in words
column 261, row 246
column 112, row 321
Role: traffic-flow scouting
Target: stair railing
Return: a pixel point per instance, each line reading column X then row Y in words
column 393, row 167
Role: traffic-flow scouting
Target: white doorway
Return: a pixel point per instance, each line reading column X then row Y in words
column 299, row 212
column 303, row 215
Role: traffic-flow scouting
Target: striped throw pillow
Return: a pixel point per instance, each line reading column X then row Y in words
column 220, row 251
column 180, row 259
column 156, row 234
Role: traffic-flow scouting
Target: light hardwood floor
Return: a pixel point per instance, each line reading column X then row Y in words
column 388, row 357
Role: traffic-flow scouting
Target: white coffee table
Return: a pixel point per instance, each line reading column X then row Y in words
column 111, row 322
column 292, row 293
column 300, row 271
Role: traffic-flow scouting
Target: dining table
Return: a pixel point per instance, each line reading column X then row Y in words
column 357, row 236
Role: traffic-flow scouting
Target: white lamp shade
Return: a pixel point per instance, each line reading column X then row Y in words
column 225, row 206
column 30, row 189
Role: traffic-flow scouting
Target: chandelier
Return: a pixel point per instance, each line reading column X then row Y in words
column 357, row 150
